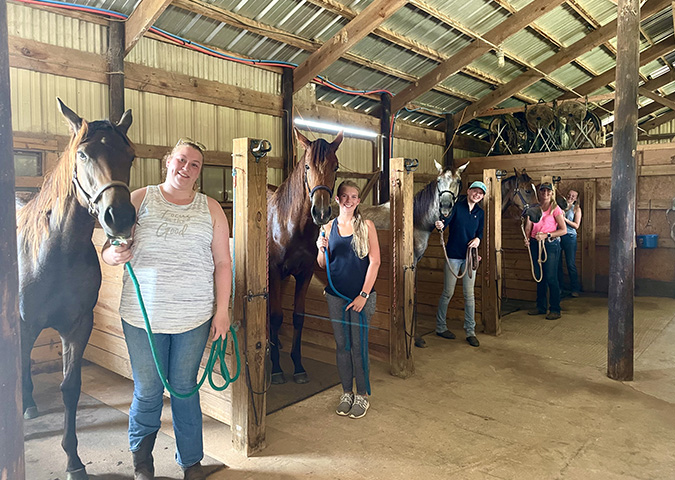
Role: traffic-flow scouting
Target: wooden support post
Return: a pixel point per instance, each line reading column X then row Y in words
column 250, row 300
column 12, row 466
column 385, row 150
column 449, row 134
column 287, row 146
column 588, row 236
column 116, row 70
column 401, row 342
column 492, row 254
column 624, row 186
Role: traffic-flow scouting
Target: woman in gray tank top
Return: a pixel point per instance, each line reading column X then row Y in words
column 568, row 243
column 180, row 254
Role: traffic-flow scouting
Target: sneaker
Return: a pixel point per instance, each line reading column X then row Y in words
column 473, row 341
column 195, row 472
column 553, row 316
column 535, row 311
column 447, row 334
column 575, row 294
column 359, row 407
column 345, row 405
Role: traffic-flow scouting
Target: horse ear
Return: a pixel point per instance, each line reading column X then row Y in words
column 462, row 168
column 516, row 172
column 125, row 121
column 438, row 166
column 301, row 138
column 338, row 140
column 74, row 120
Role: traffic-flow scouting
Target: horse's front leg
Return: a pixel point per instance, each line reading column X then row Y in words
column 74, row 343
column 28, row 337
column 276, row 319
column 301, row 287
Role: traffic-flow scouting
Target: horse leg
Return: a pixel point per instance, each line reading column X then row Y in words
column 276, row 319
column 28, row 337
column 301, row 287
column 74, row 343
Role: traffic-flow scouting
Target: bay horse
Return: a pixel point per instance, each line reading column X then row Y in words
column 295, row 211
column 519, row 197
column 59, row 271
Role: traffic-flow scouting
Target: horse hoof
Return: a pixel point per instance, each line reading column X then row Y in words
column 301, row 377
column 278, row 378
column 31, row 412
column 420, row 343
column 80, row 474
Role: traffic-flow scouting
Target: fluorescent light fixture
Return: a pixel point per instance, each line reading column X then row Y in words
column 607, row 120
column 661, row 71
column 333, row 128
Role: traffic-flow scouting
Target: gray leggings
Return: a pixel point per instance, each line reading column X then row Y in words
column 349, row 362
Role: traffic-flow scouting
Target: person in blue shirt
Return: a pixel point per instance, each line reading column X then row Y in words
column 466, row 230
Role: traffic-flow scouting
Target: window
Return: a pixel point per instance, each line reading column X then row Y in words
column 216, row 182
column 27, row 164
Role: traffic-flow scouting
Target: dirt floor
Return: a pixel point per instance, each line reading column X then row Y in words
column 534, row 403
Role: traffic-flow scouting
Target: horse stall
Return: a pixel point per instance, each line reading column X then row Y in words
column 589, row 173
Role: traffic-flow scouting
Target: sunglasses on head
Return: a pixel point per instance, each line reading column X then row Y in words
column 188, row 141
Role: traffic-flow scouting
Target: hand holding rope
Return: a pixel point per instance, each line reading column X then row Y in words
column 542, row 255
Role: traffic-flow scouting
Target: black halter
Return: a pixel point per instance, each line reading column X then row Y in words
column 526, row 206
column 92, row 200
column 311, row 191
column 440, row 194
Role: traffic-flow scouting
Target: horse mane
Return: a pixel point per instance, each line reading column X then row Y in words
column 50, row 204
column 422, row 200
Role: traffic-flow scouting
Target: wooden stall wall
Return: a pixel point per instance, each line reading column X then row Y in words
column 588, row 172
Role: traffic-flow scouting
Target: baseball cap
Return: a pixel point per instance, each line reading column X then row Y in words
column 479, row 184
column 545, row 186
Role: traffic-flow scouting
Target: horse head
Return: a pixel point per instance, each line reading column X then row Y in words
column 524, row 196
column 101, row 154
column 449, row 185
column 320, row 166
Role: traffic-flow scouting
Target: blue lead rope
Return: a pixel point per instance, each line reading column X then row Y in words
column 218, row 348
column 363, row 326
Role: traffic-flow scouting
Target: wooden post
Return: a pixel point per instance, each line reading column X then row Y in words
column 116, row 70
column 402, row 273
column 449, row 134
column 385, row 150
column 250, row 300
column 287, row 121
column 492, row 255
column 624, row 180
column 588, row 238
column 12, row 466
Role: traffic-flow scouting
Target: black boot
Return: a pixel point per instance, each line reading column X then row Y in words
column 195, row 472
column 144, row 468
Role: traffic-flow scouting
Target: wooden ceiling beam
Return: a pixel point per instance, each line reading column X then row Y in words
column 563, row 57
column 474, row 51
column 654, row 84
column 660, row 120
column 664, row 101
column 364, row 23
column 140, row 20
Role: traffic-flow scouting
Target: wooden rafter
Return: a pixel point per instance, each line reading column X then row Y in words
column 563, row 57
column 141, row 19
column 664, row 101
column 655, row 84
column 364, row 23
column 474, row 51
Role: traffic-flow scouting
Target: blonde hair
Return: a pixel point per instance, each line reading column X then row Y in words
column 183, row 143
column 360, row 237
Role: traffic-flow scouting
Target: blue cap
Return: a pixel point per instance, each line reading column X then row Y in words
column 479, row 184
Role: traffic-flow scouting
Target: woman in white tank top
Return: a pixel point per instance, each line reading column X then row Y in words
column 181, row 257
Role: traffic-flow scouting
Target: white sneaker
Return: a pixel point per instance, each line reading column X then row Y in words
column 359, row 407
column 345, row 405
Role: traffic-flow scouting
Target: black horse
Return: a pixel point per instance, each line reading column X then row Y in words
column 59, row 271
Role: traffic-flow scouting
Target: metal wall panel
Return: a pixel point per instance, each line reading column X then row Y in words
column 426, row 153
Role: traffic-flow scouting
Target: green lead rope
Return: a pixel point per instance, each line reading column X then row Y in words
column 217, row 352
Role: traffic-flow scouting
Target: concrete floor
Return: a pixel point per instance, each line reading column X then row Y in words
column 534, row 403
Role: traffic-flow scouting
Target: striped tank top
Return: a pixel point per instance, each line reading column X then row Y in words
column 173, row 262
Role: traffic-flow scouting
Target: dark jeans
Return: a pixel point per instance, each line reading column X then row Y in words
column 568, row 245
column 550, row 278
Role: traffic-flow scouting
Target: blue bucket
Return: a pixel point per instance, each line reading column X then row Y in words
column 648, row 241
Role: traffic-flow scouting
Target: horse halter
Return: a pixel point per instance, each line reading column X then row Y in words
column 311, row 191
column 440, row 194
column 526, row 206
column 92, row 200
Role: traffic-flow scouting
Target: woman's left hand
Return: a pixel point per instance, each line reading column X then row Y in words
column 541, row 236
column 220, row 325
column 357, row 304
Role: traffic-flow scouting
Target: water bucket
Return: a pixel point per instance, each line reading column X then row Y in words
column 648, row 241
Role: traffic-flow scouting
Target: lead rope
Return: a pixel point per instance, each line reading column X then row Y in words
column 363, row 327
column 542, row 255
column 471, row 261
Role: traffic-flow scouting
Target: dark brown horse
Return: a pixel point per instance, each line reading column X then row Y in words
column 519, row 197
column 59, row 272
column 294, row 213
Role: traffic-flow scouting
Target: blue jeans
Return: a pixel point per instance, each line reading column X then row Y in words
column 449, row 283
column 180, row 355
column 568, row 244
column 550, row 278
